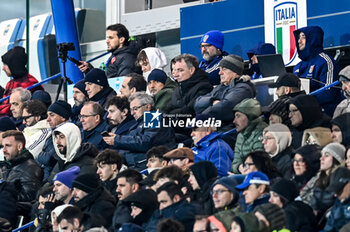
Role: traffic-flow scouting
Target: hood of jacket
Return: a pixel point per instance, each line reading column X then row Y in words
column 73, row 140
column 282, row 135
column 343, row 122
column 314, row 42
column 156, row 57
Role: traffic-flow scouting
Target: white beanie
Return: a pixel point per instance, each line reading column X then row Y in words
column 336, row 150
column 282, row 136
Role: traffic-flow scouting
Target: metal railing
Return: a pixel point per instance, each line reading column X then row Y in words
column 54, row 76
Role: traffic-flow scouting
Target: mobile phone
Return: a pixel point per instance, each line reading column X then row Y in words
column 105, row 134
column 75, row 61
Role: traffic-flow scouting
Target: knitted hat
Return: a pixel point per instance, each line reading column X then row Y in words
column 203, row 171
column 344, row 74
column 282, row 136
column 273, row 214
column 228, row 182
column 225, row 217
column 42, row 96
column 336, row 150
column 87, row 182
column 215, row 38
column 321, row 135
column 280, row 107
column 286, row 189
column 250, row 107
column 61, row 108
column 6, row 124
column 66, row 177
column 234, row 63
column 157, row 75
column 16, row 59
column 247, row 221
column 81, row 86
column 97, row 76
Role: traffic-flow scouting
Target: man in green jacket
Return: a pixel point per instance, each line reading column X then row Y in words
column 250, row 126
column 161, row 87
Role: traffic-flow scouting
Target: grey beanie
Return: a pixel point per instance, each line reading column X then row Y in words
column 234, row 63
column 344, row 74
column 337, row 150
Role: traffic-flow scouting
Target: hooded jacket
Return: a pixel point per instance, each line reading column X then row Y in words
column 212, row 68
column 319, row 67
column 36, row 136
column 122, row 61
column 156, row 57
column 212, row 148
column 343, row 122
column 184, row 96
column 248, row 139
column 260, row 49
column 229, row 96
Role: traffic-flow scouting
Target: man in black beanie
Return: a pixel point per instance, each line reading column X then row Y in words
column 80, row 96
column 14, row 65
column 92, row 198
column 57, row 114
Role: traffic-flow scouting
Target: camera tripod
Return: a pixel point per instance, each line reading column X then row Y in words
column 63, row 49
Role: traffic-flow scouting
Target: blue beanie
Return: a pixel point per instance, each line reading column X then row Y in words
column 157, row 75
column 96, row 76
column 215, row 38
column 42, row 96
column 61, row 108
column 81, row 86
column 6, row 124
column 67, row 177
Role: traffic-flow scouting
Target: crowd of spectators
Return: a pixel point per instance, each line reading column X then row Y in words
column 103, row 165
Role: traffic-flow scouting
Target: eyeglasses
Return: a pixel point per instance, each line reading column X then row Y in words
column 218, row 191
column 247, row 165
column 292, row 111
column 86, row 116
column 25, row 118
column 298, row 161
column 205, row 45
column 136, row 108
column 265, row 138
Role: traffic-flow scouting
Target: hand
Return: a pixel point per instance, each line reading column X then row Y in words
column 216, row 102
column 51, row 198
column 84, row 66
column 109, row 139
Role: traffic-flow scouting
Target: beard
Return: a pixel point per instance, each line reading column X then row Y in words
column 62, row 149
column 207, row 57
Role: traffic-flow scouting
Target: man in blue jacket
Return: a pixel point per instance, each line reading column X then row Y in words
column 316, row 65
column 211, row 46
column 209, row 146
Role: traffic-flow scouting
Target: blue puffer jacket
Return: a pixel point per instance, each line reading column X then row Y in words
column 340, row 215
column 139, row 140
column 212, row 68
column 212, row 148
column 319, row 67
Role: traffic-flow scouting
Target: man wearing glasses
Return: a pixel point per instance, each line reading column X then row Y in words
column 224, row 194
column 211, row 46
column 37, row 128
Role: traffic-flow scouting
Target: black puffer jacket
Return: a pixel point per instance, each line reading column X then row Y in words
column 26, row 174
column 184, row 96
column 8, row 199
column 99, row 203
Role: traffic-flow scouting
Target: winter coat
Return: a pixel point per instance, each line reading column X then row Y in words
column 36, row 136
column 121, row 215
column 340, row 215
column 99, row 203
column 342, row 108
column 94, row 136
column 134, row 145
column 163, row 97
column 212, row 148
column 184, row 96
column 8, row 199
column 212, row 68
column 24, row 82
column 26, row 175
column 122, row 61
column 124, row 127
column 299, row 217
column 46, row 159
column 317, row 66
column 102, row 96
column 248, row 141
column 261, row 200
column 181, row 211
column 229, row 96
column 283, row 161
